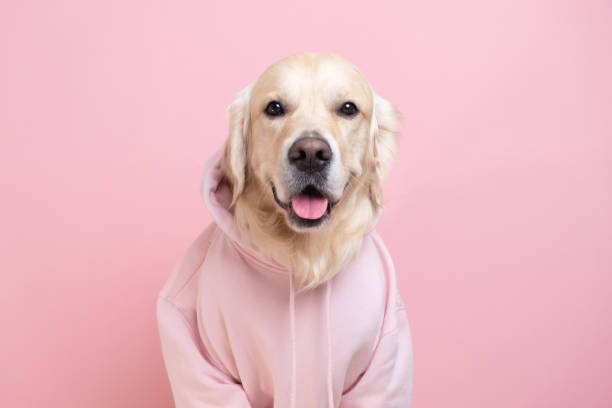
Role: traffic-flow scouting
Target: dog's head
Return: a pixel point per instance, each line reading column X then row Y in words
column 306, row 133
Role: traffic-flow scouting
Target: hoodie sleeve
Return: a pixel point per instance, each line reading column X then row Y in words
column 195, row 381
column 387, row 382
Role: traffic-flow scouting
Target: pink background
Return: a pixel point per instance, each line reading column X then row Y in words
column 498, row 211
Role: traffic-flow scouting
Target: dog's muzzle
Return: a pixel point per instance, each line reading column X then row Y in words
column 309, row 203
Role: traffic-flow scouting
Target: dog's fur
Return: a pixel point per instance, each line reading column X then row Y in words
column 311, row 86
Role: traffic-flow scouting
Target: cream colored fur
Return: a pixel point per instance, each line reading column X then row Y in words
column 253, row 159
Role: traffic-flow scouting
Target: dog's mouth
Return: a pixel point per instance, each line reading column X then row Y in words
column 308, row 208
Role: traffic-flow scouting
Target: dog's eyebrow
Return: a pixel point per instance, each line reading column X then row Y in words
column 272, row 96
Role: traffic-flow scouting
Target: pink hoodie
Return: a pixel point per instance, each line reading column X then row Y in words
column 234, row 333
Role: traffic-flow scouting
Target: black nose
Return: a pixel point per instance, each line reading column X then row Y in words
column 310, row 154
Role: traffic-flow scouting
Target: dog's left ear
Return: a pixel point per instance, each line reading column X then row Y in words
column 384, row 129
column 234, row 161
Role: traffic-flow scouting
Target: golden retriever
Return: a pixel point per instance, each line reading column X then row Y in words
column 309, row 143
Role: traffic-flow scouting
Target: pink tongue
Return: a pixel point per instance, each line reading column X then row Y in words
column 309, row 207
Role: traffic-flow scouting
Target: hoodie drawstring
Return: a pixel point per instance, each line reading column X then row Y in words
column 292, row 325
column 330, row 383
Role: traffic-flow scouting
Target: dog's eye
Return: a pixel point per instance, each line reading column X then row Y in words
column 348, row 109
column 274, row 108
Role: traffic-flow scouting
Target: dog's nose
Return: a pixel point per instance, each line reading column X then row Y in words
column 310, row 154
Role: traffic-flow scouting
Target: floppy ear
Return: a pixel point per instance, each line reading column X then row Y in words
column 384, row 129
column 234, row 158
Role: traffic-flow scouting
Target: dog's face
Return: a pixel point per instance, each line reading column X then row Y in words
column 304, row 131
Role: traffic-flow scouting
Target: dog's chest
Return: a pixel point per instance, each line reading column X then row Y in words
column 244, row 319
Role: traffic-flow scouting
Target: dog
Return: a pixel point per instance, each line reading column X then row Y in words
column 295, row 194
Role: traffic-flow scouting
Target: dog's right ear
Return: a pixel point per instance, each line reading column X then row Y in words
column 234, row 160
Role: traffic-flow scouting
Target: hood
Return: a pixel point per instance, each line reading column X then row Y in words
column 216, row 193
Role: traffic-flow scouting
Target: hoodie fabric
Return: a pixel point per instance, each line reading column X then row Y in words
column 235, row 334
